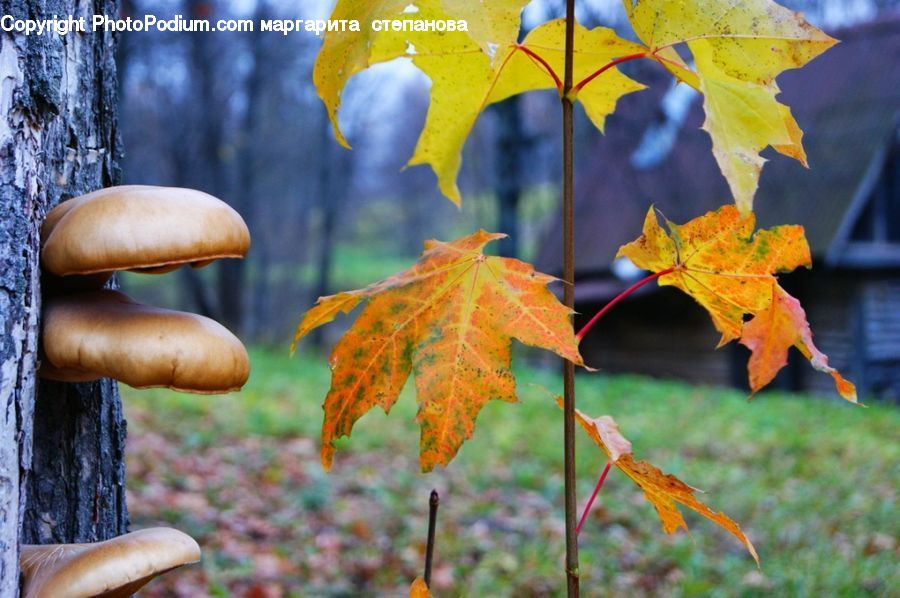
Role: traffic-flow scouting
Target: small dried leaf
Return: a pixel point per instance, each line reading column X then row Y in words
column 662, row 490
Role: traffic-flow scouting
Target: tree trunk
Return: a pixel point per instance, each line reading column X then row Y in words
column 510, row 145
column 61, row 445
column 205, row 54
column 246, row 183
column 331, row 193
column 195, row 296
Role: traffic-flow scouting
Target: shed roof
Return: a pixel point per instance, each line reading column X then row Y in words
column 847, row 101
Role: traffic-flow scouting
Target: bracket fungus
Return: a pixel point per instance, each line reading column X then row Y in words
column 140, row 228
column 105, row 333
column 114, row 568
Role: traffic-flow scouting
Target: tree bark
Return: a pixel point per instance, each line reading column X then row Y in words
column 61, row 445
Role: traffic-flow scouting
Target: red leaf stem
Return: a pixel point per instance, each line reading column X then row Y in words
column 606, row 67
column 619, row 297
column 545, row 64
column 590, row 502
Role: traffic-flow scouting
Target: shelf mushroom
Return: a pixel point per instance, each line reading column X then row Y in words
column 95, row 334
column 105, row 334
column 114, row 568
column 140, row 228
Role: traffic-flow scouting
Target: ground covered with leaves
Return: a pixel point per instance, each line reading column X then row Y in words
column 813, row 482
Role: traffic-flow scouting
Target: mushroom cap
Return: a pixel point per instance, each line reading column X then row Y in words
column 114, row 568
column 105, row 334
column 141, row 228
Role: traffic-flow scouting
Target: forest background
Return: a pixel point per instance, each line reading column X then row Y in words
column 236, row 115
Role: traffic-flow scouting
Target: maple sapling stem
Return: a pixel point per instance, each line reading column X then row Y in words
column 590, row 502
column 545, row 64
column 433, row 502
column 619, row 297
column 606, row 67
column 568, row 218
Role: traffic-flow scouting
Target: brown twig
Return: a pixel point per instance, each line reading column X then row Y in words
column 433, row 502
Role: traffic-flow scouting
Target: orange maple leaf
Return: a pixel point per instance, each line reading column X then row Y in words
column 449, row 320
column 662, row 490
column 776, row 329
column 718, row 260
column 729, row 269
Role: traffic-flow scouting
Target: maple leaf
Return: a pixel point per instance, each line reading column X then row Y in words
column 419, row 589
column 729, row 269
column 718, row 260
column 449, row 320
column 468, row 70
column 739, row 47
column 661, row 490
column 776, row 329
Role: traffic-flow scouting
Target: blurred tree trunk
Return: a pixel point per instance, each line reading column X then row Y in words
column 510, row 146
column 246, row 183
column 332, row 189
column 416, row 214
column 124, row 48
column 212, row 114
column 61, row 445
column 194, row 291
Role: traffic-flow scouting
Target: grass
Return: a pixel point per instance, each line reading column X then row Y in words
column 812, row 482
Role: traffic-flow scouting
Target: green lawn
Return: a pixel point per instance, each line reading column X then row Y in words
column 812, row 481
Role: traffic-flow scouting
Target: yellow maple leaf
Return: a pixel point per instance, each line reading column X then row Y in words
column 468, row 70
column 346, row 53
column 729, row 269
column 449, row 320
column 739, row 47
column 776, row 329
column 491, row 25
column 464, row 84
column 718, row 260
column 663, row 491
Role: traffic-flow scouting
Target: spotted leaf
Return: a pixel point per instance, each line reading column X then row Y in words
column 738, row 47
column 449, row 320
column 664, row 491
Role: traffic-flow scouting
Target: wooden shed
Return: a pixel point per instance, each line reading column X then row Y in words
column 654, row 152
